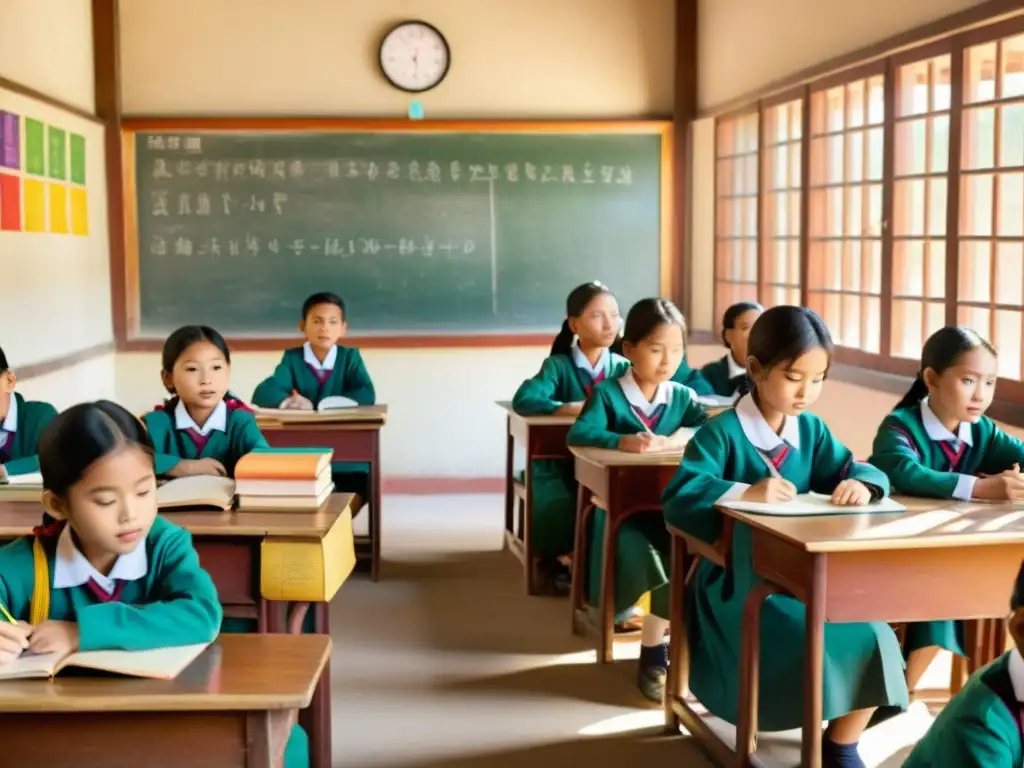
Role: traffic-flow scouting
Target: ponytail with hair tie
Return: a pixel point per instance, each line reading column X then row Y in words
column 918, row 391
column 562, row 345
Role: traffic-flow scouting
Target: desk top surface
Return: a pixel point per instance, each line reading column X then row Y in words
column 606, row 458
column 538, row 421
column 18, row 518
column 927, row 523
column 234, row 673
column 363, row 416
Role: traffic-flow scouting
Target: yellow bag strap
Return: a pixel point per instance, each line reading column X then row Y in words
column 41, row 589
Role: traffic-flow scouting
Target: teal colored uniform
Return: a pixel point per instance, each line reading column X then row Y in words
column 173, row 441
column 342, row 374
column 165, row 599
column 19, row 454
column 980, row 728
column 863, row 666
column 724, row 376
column 693, row 379
column 643, row 546
column 923, row 458
column 562, row 379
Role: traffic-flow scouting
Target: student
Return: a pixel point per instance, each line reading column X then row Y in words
column 580, row 358
column 728, row 375
column 318, row 369
column 641, row 411
column 202, row 429
column 21, row 423
column 983, row 726
column 768, row 449
column 937, row 442
column 117, row 576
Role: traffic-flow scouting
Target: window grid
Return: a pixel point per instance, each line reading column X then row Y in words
column 736, row 219
column 781, row 210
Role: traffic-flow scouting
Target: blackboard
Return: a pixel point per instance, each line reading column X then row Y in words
column 422, row 232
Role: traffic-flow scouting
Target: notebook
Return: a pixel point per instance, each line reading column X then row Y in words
column 30, row 479
column 335, row 402
column 197, row 491
column 158, row 664
column 717, row 401
column 810, row 504
column 331, row 413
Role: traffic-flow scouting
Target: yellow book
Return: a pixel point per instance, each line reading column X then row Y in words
column 308, row 570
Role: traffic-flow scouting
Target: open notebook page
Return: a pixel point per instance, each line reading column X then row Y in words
column 807, row 504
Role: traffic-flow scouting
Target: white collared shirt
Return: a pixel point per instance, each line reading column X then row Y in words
column 1016, row 669
column 938, row 433
column 735, row 369
column 761, row 436
column 10, row 425
column 310, row 358
column 580, row 361
column 72, row 569
column 636, row 398
column 218, row 419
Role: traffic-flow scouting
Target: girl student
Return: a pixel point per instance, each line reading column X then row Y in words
column 21, row 423
column 580, row 358
column 114, row 575
column 939, row 443
column 641, row 411
column 202, row 429
column 728, row 375
column 768, row 449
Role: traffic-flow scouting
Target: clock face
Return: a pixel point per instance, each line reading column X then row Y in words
column 415, row 56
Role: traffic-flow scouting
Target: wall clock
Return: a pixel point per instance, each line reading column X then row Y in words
column 414, row 56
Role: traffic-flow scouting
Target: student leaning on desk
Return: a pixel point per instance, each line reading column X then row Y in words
column 108, row 573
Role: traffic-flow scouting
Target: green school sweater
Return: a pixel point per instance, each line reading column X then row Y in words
column 977, row 728
column 174, row 604
column 172, row 445
column 716, row 374
column 22, row 446
column 693, row 379
column 608, row 415
column 348, row 378
column 916, row 464
column 558, row 382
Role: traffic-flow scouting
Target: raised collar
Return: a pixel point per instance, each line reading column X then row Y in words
column 937, row 430
column 757, row 431
column 636, row 398
column 218, row 419
column 310, row 358
column 72, row 569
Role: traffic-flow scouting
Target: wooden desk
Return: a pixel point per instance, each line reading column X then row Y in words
column 937, row 561
column 543, row 437
column 357, row 439
column 229, row 545
column 232, row 706
column 624, row 484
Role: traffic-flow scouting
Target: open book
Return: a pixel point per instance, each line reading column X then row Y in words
column 158, row 664
column 33, row 479
column 27, row 487
column 810, row 504
column 331, row 409
column 196, row 491
column 717, row 401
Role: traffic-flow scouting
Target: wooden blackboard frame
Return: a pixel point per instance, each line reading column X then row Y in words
column 126, row 296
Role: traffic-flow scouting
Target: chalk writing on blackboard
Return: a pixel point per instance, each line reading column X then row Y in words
column 342, row 246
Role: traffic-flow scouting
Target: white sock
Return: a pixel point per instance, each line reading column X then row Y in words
column 652, row 633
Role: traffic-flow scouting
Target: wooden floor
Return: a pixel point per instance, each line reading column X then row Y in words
column 446, row 662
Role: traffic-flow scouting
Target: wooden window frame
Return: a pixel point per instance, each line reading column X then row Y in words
column 882, row 370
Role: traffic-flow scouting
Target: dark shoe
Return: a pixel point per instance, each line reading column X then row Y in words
column 652, row 672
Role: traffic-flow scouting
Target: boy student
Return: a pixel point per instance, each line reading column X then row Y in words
column 319, row 369
column 984, row 724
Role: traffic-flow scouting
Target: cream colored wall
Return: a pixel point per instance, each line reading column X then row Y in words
column 46, row 45
column 511, row 59
column 747, row 44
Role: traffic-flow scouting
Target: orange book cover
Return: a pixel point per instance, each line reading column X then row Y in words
column 284, row 464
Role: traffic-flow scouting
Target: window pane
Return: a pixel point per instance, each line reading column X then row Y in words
column 1013, row 67
column 855, row 104
column 795, row 161
column 1011, row 205
column 976, row 205
column 750, row 260
column 1010, row 274
column 750, row 216
column 911, row 143
column 855, row 156
column 935, row 318
column 939, row 161
column 975, row 272
column 908, row 268
column 876, row 100
column 979, row 73
column 978, row 140
column 872, row 254
column 835, row 158
column 941, row 92
column 854, row 211
column 907, row 327
column 778, row 124
column 796, row 119
column 1007, row 342
column 935, row 270
column 835, row 98
column 851, row 321
column 793, row 269
column 852, row 268
column 1011, row 135
column 794, row 213
column 937, row 207
column 909, row 208
column 874, row 220
column 912, row 89
column 977, row 319
column 876, row 159
column 777, row 161
column 834, row 226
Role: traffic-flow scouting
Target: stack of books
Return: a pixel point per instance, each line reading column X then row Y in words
column 284, row 479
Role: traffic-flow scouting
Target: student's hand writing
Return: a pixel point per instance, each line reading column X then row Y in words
column 14, row 638
column 1006, row 486
column 3, row 474
column 771, row 490
column 851, row 493
column 634, row 443
column 569, row 409
column 299, row 403
column 54, row 637
column 188, row 467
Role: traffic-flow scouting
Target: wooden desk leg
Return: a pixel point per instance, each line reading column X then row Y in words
column 375, row 509
column 529, row 567
column 510, row 447
column 678, row 649
column 750, row 671
column 579, row 559
column 814, row 660
column 606, row 603
column 316, row 718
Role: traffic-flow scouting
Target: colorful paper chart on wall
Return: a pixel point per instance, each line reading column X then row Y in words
column 42, row 178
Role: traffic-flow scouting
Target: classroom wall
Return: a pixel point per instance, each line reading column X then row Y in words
column 511, row 59
column 55, row 288
column 747, row 44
